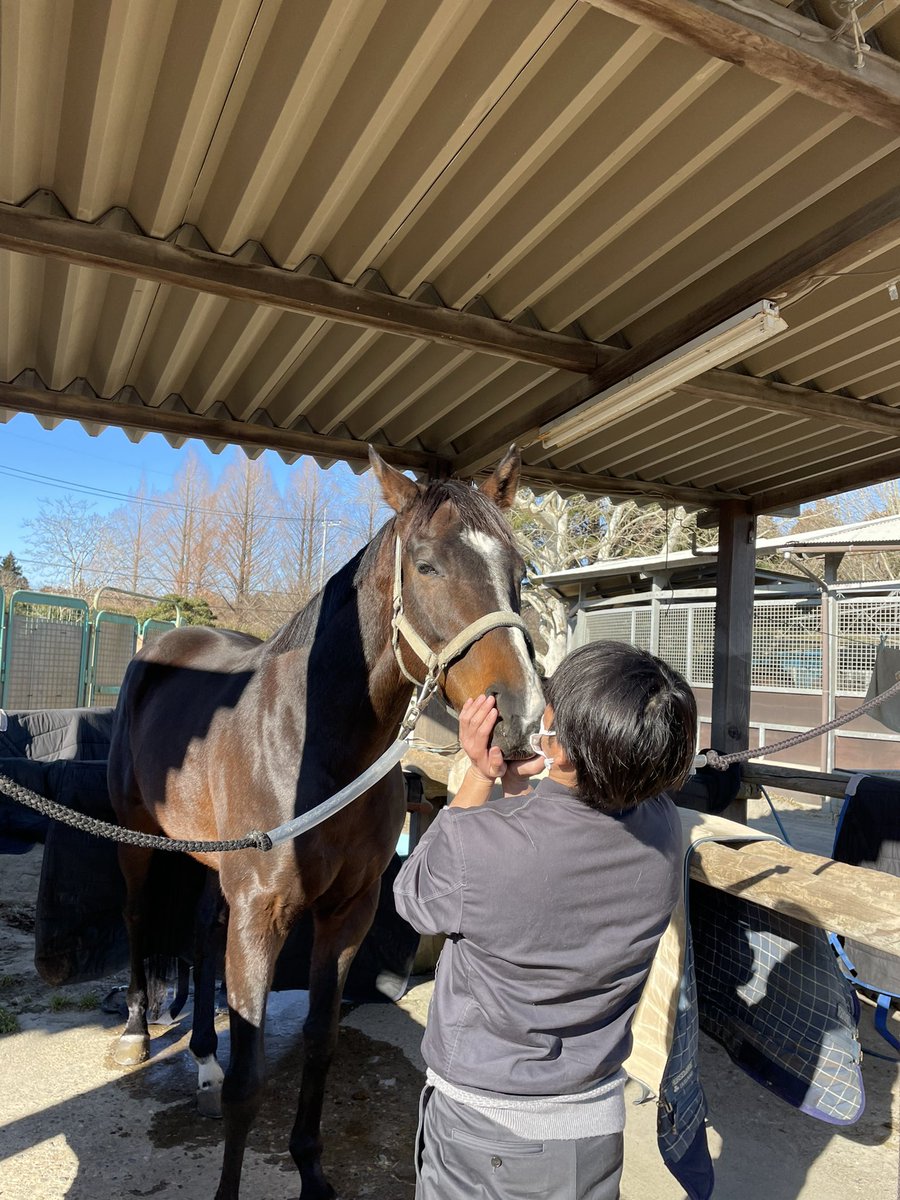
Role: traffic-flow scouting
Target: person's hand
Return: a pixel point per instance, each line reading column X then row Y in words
column 477, row 719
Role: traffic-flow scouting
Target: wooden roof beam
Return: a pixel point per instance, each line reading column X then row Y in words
column 128, row 412
column 140, row 257
column 727, row 386
column 794, row 401
column 856, row 237
column 622, row 488
column 779, row 45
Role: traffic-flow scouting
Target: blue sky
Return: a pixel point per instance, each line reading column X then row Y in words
column 68, row 459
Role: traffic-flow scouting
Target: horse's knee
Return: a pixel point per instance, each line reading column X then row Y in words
column 242, row 1088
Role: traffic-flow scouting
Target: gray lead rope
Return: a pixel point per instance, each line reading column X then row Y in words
column 721, row 762
column 256, row 839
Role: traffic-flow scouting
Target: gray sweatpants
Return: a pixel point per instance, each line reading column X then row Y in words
column 463, row 1155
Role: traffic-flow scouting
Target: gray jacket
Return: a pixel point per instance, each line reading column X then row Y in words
column 554, row 912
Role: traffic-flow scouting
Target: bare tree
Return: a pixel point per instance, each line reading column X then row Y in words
column 557, row 534
column 183, row 532
column 68, row 538
column 311, row 538
column 247, row 505
column 130, row 542
column 366, row 509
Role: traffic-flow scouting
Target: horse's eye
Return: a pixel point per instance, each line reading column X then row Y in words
column 425, row 568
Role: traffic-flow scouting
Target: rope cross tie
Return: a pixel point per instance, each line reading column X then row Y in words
column 721, row 762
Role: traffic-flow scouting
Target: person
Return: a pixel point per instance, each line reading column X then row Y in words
column 553, row 899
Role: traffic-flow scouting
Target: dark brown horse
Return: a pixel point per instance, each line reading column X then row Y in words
column 217, row 733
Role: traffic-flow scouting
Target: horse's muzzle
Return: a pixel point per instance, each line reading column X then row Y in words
column 511, row 735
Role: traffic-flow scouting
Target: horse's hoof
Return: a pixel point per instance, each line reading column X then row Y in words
column 131, row 1049
column 314, row 1185
column 210, row 1077
column 209, row 1102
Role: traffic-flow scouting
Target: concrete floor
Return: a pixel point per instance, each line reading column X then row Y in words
column 74, row 1126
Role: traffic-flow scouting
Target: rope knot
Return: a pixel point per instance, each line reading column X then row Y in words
column 715, row 760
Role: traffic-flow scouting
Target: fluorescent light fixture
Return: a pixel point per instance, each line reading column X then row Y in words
column 724, row 343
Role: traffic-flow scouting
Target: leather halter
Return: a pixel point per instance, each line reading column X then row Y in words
column 438, row 661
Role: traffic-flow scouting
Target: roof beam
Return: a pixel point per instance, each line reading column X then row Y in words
column 855, row 237
column 779, row 45
column 721, row 385
column 128, row 412
column 611, row 485
column 794, row 401
column 140, row 257
column 847, row 480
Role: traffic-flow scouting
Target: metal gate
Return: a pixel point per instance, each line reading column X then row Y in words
column 53, row 654
column 45, row 651
column 113, row 643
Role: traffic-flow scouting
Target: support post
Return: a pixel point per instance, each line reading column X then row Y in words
column 733, row 643
column 655, row 612
column 830, row 658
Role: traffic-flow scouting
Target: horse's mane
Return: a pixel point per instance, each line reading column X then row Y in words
column 475, row 512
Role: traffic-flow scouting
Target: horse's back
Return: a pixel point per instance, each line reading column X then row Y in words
column 197, row 645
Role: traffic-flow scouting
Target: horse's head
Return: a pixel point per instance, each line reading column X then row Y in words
column 458, row 562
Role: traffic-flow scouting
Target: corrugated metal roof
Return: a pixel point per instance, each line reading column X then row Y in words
column 547, row 163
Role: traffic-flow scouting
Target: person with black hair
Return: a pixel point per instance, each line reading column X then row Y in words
column 554, row 900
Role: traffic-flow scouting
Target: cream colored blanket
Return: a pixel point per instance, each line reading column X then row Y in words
column 654, row 1021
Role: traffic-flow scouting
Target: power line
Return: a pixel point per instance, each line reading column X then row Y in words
column 126, row 498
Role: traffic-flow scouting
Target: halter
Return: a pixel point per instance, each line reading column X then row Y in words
column 437, row 661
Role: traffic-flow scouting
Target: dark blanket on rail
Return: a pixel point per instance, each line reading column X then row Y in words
column 79, row 931
column 868, row 835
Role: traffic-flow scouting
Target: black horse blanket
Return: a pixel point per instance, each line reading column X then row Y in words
column 79, row 932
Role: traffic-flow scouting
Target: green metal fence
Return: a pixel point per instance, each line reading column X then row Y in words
column 56, row 653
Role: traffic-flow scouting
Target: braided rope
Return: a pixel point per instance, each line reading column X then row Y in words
column 721, row 762
column 255, row 840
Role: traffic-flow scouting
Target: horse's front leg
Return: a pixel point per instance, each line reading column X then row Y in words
column 252, row 946
column 337, row 937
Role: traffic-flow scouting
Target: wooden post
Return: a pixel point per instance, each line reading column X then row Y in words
column 733, row 643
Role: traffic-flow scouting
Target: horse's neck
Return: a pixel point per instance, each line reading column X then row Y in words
column 388, row 690
column 347, row 633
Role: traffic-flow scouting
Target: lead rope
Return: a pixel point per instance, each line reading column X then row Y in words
column 721, row 762
column 256, row 839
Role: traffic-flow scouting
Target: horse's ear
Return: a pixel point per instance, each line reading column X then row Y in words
column 501, row 487
column 398, row 490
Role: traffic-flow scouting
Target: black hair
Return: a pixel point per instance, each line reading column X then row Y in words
column 627, row 722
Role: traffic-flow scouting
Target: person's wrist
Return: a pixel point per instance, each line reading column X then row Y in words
column 479, row 775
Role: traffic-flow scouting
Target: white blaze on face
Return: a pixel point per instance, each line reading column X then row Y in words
column 491, row 550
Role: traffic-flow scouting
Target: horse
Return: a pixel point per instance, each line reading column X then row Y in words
column 216, row 733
